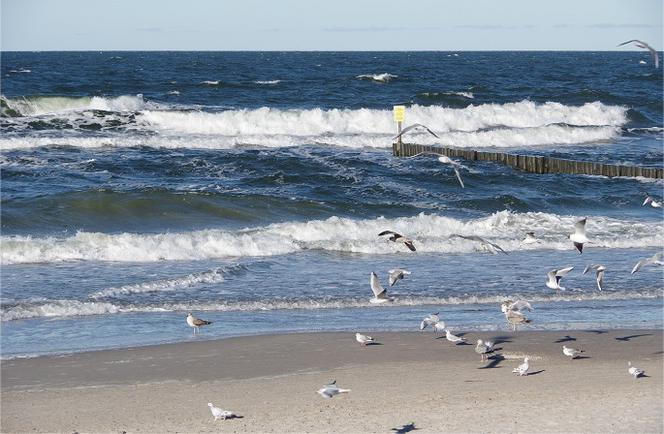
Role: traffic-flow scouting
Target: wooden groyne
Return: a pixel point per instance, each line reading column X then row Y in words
column 533, row 164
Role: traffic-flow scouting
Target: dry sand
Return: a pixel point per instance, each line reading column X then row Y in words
column 411, row 377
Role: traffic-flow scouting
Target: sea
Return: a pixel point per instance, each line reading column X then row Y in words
column 249, row 188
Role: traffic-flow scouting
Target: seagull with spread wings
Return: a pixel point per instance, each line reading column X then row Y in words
column 645, row 45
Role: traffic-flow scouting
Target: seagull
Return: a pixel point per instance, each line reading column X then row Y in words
column 330, row 390
column 522, row 369
column 380, row 293
column 398, row 238
column 487, row 245
column 645, row 45
column 397, row 274
column 453, row 338
column 439, row 327
column 579, row 235
column 411, row 127
column 571, row 352
column 653, row 203
column 515, row 318
column 483, row 348
column 219, row 413
column 517, row 306
column 600, row 273
column 633, row 370
column 430, row 320
column 364, row 339
column 447, row 160
column 530, row 238
column 555, row 276
column 654, row 259
column 196, row 323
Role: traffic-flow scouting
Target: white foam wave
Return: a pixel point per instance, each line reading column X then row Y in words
column 210, row 82
column 71, row 308
column 267, row 81
column 468, row 95
column 430, row 232
column 55, row 104
column 381, row 78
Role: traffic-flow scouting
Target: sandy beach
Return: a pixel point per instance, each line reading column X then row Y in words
column 409, row 378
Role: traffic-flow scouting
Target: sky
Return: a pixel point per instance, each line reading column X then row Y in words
column 357, row 25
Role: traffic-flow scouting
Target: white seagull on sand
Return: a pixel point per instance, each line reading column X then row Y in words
column 522, row 369
column 430, row 320
column 453, row 338
column 196, row 323
column 380, row 293
column 483, row 348
column 600, row 273
column 653, row 203
column 398, row 238
column 486, row 245
column 331, row 390
column 412, row 127
column 397, row 274
column 579, row 236
column 364, row 339
column 645, row 45
column 219, row 413
column 656, row 259
column 572, row 353
column 633, row 370
column 555, row 276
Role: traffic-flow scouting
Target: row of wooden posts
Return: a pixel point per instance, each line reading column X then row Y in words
column 529, row 163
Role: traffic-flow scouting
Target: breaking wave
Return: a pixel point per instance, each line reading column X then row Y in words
column 430, row 232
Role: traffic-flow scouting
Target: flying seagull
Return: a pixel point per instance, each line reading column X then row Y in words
column 555, row 276
column 397, row 274
column 380, row 293
column 430, row 320
column 487, row 245
column 633, row 370
column 219, row 413
column 653, row 203
column 398, row 238
column 522, row 369
column 196, row 323
column 330, row 390
column 572, row 353
column 364, row 339
column 579, row 236
column 411, row 127
column 600, row 273
column 645, row 45
column 447, row 160
column 655, row 259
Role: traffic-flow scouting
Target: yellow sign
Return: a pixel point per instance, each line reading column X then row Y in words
column 399, row 112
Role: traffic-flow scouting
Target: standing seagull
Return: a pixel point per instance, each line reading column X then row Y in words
column 398, row 238
column 645, row 45
column 412, row 127
column 219, row 413
column 196, row 323
column 600, row 273
column 653, row 203
column 397, row 274
column 555, row 276
column 453, row 338
column 572, row 353
column 579, row 236
column 487, row 245
column 522, row 369
column 483, row 348
column 380, row 293
column 364, row 339
column 633, row 370
column 655, row 259
column 330, row 390
column 514, row 318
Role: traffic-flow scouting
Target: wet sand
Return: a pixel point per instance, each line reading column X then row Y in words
column 410, row 377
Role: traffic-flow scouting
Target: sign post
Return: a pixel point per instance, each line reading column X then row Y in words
column 399, row 112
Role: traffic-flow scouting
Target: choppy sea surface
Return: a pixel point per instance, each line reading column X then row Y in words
column 249, row 189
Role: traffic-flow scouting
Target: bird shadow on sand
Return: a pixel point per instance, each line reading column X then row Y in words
column 597, row 332
column 582, row 357
column 371, row 344
column 494, row 361
column 405, row 428
column 566, row 338
column 234, row 416
column 501, row 340
column 535, row 372
column 628, row 338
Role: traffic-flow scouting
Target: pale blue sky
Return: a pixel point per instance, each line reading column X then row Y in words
column 331, row 25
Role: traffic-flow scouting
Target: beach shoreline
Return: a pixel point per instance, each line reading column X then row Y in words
column 410, row 377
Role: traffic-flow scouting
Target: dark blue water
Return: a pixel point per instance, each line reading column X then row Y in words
column 250, row 188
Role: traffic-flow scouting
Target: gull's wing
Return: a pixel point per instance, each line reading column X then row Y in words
column 394, row 276
column 629, row 42
column 456, row 172
column 600, row 278
column 496, row 246
column 411, row 127
column 376, row 287
column 520, row 304
column 657, row 257
column 563, row 271
column 410, row 245
column 580, row 227
column 200, row 322
column 640, row 264
column 591, row 267
column 389, row 233
column 647, row 201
